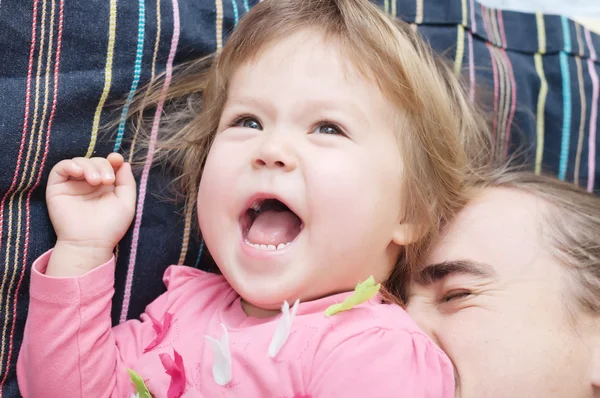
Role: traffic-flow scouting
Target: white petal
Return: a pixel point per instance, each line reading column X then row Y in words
column 284, row 326
column 222, row 363
column 136, row 395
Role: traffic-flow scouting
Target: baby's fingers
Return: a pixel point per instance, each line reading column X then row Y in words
column 65, row 170
column 94, row 171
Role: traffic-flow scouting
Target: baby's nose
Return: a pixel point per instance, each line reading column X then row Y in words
column 274, row 154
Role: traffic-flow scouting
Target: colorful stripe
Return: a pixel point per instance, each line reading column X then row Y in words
column 148, row 163
column 541, row 103
column 37, row 183
column 394, row 8
column 580, row 44
column 582, row 117
column 567, row 105
column 513, row 105
column 594, row 112
column 510, row 81
column 246, row 6
column 112, row 28
column 30, row 185
column 460, row 49
column 186, row 235
column 471, row 69
column 219, row 24
column 236, row 13
column 386, row 6
column 17, row 234
column 419, row 13
column 540, row 115
column 473, row 19
column 24, row 134
column 152, row 71
column 496, row 89
column 197, row 264
column 137, row 71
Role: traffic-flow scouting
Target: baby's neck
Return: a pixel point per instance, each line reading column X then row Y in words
column 256, row 312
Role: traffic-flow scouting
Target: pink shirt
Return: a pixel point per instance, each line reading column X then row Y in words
column 70, row 350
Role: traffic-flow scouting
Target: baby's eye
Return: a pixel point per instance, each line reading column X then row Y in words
column 328, row 128
column 455, row 295
column 248, row 122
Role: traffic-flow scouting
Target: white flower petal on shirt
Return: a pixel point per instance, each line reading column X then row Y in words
column 136, row 395
column 284, row 326
column 222, row 363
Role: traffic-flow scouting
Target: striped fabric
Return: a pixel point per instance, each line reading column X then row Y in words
column 64, row 63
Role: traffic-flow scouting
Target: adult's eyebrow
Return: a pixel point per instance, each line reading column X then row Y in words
column 435, row 272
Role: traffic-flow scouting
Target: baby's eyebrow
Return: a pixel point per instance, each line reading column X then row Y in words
column 435, row 272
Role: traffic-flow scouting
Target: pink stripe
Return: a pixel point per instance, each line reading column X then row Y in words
column 37, row 181
column 148, row 163
column 20, row 155
column 485, row 22
column 495, row 70
column 473, row 20
column 594, row 112
column 513, row 105
column 471, row 69
column 501, row 26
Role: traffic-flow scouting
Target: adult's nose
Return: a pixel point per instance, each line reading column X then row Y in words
column 274, row 152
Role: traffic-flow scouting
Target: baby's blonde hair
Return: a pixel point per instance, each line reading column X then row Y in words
column 440, row 136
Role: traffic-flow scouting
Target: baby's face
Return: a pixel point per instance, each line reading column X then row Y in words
column 300, row 196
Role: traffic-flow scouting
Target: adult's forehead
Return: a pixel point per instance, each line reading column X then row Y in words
column 499, row 226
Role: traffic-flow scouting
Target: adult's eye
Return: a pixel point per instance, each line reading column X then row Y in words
column 455, row 295
column 248, row 122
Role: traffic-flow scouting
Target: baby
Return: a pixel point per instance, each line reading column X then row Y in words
column 330, row 143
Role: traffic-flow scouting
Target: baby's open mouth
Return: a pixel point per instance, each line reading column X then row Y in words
column 270, row 225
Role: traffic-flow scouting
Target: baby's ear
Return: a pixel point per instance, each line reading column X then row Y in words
column 406, row 233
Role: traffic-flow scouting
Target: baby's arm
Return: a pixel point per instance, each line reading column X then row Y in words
column 68, row 347
column 381, row 363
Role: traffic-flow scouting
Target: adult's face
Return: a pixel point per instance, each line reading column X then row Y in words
column 496, row 302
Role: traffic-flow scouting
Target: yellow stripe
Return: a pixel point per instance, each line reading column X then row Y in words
column 504, row 79
column 219, row 24
column 495, row 29
column 463, row 6
column 541, row 28
column 541, row 106
column 580, row 46
column 582, row 117
column 153, row 73
column 112, row 28
column 460, row 49
column 186, row 235
column 419, row 16
column 394, row 11
column 386, row 6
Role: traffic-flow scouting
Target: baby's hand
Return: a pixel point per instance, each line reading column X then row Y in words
column 91, row 203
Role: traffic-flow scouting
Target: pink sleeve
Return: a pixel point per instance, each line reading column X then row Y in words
column 382, row 363
column 69, row 348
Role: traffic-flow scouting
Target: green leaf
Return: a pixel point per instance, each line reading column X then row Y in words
column 140, row 386
column 363, row 292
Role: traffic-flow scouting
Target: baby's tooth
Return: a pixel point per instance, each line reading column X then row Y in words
column 263, row 246
column 281, row 246
column 271, row 247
